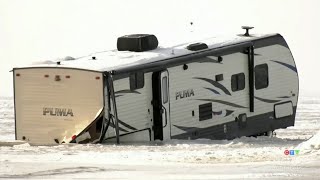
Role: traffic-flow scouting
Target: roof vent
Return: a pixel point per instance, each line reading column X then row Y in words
column 137, row 42
column 197, row 46
column 247, row 28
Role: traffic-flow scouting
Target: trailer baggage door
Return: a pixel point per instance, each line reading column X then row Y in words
column 165, row 105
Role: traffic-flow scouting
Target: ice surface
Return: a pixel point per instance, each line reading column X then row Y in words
column 6, row 118
column 243, row 158
column 311, row 144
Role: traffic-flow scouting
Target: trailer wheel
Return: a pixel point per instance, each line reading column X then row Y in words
column 271, row 134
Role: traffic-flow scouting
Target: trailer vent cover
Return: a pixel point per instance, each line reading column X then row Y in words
column 197, row 46
column 137, row 42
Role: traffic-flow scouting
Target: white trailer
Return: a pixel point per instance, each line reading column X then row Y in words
column 217, row 88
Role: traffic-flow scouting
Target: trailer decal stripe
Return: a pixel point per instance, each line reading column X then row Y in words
column 127, row 91
column 228, row 113
column 215, row 83
column 286, row 65
column 214, row 91
column 187, row 129
column 223, row 102
column 267, row 100
column 121, row 129
column 284, row 97
column 216, row 113
column 126, row 125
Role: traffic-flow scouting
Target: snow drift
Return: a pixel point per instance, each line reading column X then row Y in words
column 312, row 144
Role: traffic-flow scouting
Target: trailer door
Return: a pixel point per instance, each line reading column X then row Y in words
column 165, row 101
column 161, row 106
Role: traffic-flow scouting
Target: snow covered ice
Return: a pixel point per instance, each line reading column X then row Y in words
column 244, row 158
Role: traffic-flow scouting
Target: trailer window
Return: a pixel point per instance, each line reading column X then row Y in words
column 238, row 82
column 261, row 76
column 205, row 111
column 164, row 90
column 136, row 80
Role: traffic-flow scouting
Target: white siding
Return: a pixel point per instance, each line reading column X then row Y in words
column 134, row 109
column 181, row 109
column 283, row 86
column 282, row 82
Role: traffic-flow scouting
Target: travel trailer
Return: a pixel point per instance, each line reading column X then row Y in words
column 216, row 88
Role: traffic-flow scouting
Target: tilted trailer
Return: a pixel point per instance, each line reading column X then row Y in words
column 216, row 88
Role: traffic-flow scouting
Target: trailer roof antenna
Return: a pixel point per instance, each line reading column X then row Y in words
column 191, row 26
column 247, row 28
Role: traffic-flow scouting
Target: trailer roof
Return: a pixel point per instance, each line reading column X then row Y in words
column 114, row 59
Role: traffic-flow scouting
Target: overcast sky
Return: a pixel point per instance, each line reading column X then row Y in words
column 41, row 30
